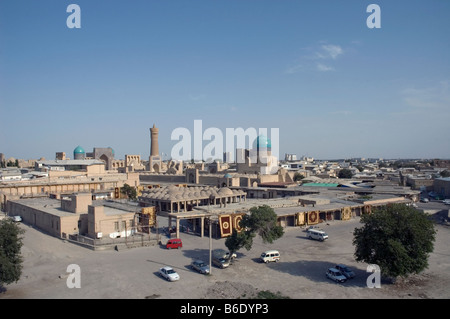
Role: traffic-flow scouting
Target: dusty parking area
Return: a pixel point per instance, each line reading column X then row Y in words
column 132, row 273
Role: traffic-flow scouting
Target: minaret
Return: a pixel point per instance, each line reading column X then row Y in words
column 154, row 147
column 154, row 159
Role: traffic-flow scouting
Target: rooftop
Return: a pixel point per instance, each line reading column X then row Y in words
column 70, row 162
column 53, row 207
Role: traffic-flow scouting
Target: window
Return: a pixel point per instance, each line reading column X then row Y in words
column 116, row 225
column 124, row 224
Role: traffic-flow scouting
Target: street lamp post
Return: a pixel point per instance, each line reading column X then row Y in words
column 210, row 245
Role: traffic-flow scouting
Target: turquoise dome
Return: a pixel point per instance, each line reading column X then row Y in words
column 262, row 142
column 79, row 150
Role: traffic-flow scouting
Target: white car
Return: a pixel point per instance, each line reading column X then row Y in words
column 168, row 273
column 17, row 219
column 232, row 256
column 335, row 275
column 446, row 201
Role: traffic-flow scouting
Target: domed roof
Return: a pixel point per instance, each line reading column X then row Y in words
column 225, row 191
column 172, row 189
column 79, row 150
column 262, row 142
column 227, row 175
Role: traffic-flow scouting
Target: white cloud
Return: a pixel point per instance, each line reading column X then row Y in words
column 294, row 69
column 323, row 68
column 331, row 51
column 318, row 58
column 198, row 97
column 430, row 97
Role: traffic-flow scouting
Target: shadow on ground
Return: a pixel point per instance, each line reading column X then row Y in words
column 315, row 271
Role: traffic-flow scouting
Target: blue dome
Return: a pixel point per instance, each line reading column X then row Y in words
column 79, row 150
column 262, row 142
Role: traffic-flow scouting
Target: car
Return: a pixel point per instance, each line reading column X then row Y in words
column 346, row 271
column 174, row 243
column 424, row 200
column 317, row 234
column 270, row 255
column 16, row 219
column 446, row 201
column 336, row 275
column 200, row 266
column 221, row 253
column 168, row 273
column 227, row 255
column 221, row 262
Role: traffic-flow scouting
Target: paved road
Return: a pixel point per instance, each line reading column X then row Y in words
column 132, row 273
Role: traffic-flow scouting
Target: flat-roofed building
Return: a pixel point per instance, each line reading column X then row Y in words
column 75, row 214
column 442, row 186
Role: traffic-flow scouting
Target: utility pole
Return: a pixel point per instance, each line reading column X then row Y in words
column 210, row 235
column 210, row 245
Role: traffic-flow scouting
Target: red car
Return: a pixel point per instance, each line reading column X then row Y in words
column 174, row 243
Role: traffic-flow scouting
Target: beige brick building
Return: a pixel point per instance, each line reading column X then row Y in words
column 75, row 214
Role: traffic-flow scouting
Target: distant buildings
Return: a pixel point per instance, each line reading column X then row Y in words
column 290, row 157
column 61, row 196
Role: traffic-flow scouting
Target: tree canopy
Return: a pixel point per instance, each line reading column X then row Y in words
column 261, row 221
column 129, row 191
column 345, row 173
column 397, row 238
column 298, row 177
column 10, row 246
column 445, row 173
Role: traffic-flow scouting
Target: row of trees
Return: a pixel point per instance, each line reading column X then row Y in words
column 4, row 164
column 396, row 237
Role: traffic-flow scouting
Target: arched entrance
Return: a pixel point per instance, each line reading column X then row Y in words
column 105, row 159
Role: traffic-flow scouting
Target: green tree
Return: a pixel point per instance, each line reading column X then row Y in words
column 298, row 177
column 261, row 221
column 129, row 191
column 445, row 173
column 345, row 173
column 397, row 238
column 10, row 246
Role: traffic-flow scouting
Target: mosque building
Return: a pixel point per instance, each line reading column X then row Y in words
column 259, row 159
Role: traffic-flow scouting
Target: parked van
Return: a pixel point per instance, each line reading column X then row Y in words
column 270, row 255
column 174, row 243
column 317, row 235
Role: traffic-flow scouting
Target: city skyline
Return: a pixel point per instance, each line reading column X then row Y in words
column 332, row 86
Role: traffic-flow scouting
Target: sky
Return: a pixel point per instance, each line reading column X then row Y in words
column 313, row 69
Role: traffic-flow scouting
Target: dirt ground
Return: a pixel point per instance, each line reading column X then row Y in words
column 132, row 273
